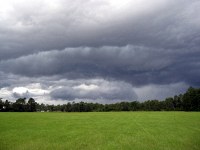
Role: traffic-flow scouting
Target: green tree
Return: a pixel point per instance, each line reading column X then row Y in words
column 191, row 100
column 177, row 102
column 134, row 106
column 188, row 98
column 68, row 107
column 20, row 105
column 7, row 106
column 1, row 104
column 169, row 104
column 31, row 105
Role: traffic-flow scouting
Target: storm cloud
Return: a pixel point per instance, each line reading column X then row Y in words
column 102, row 90
column 135, row 64
column 130, row 46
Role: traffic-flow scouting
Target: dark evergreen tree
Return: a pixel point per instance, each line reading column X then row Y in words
column 20, row 105
column 31, row 105
column 1, row 104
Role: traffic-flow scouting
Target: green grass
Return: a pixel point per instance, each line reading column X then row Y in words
column 100, row 131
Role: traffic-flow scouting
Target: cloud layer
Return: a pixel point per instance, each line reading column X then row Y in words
column 135, row 64
column 130, row 46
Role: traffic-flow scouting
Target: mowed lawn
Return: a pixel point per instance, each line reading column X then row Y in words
column 100, row 131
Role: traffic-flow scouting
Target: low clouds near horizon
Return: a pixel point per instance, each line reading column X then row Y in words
column 98, row 50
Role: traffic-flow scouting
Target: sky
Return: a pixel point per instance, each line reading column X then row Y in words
column 103, row 51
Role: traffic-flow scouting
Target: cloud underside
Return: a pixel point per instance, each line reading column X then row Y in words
column 137, row 65
column 55, row 90
column 104, row 50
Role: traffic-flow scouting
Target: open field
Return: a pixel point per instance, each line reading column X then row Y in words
column 100, row 131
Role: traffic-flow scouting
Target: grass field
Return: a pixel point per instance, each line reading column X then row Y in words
column 100, row 131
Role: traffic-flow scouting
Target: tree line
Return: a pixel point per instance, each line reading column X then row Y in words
column 189, row 101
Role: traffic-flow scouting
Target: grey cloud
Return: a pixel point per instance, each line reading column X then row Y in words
column 103, row 91
column 135, row 64
column 55, row 89
column 50, row 89
column 21, row 95
column 42, row 25
column 160, row 92
column 141, row 43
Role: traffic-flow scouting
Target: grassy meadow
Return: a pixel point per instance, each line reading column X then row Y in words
column 100, row 131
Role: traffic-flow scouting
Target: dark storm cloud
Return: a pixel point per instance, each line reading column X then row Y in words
column 57, row 43
column 104, row 59
column 135, row 64
column 44, row 25
column 104, row 91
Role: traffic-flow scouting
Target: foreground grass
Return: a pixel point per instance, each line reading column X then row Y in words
column 100, row 131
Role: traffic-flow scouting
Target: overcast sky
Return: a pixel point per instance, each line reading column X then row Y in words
column 59, row 51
